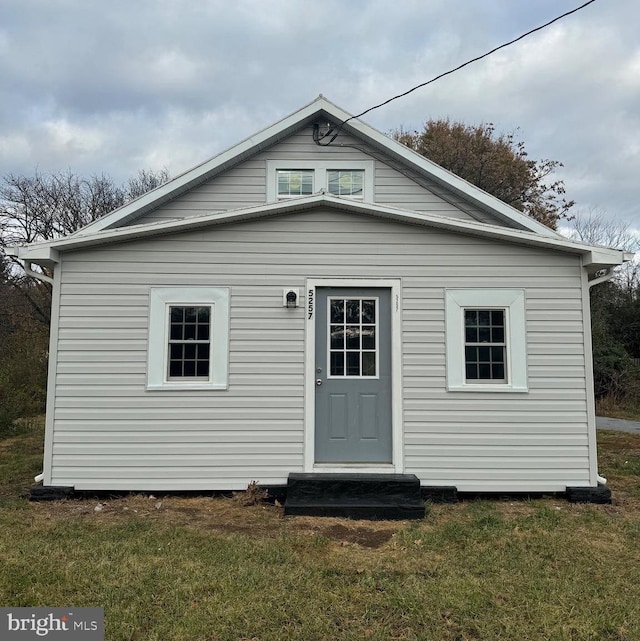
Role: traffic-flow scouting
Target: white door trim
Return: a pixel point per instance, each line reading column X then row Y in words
column 397, row 465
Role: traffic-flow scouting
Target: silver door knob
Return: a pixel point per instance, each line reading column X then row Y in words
column 318, row 382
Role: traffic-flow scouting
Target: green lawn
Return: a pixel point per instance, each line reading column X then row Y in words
column 207, row 569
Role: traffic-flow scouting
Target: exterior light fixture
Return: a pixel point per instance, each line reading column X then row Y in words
column 290, row 298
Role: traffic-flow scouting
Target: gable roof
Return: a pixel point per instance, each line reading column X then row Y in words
column 321, row 108
column 48, row 253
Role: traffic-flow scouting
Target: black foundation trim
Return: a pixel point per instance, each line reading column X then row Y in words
column 51, row 493
column 436, row 494
column 598, row 494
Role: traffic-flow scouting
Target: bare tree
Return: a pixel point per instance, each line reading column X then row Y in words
column 145, row 181
column 48, row 206
column 596, row 228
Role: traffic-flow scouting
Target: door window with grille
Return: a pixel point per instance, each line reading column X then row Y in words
column 353, row 337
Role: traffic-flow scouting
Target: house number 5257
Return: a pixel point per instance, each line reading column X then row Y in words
column 310, row 304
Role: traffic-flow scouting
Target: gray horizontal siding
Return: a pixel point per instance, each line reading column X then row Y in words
column 245, row 185
column 111, row 433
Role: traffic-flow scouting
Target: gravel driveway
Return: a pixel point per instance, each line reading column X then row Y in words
column 603, row 423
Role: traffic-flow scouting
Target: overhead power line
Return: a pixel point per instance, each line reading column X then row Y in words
column 334, row 134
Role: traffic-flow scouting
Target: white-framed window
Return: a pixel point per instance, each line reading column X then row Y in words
column 296, row 178
column 189, row 342
column 294, row 182
column 188, row 338
column 346, row 182
column 485, row 345
column 486, row 340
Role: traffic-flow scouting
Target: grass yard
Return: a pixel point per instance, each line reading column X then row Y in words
column 209, row 569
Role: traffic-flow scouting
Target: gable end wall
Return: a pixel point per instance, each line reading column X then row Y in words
column 245, row 184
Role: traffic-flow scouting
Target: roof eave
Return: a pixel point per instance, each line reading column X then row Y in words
column 601, row 258
column 40, row 253
column 592, row 256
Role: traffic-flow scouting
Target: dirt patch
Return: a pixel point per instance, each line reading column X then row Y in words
column 219, row 515
column 366, row 537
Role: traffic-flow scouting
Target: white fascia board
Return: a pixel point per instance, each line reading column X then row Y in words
column 36, row 252
column 611, row 256
column 218, row 163
column 603, row 256
column 134, row 232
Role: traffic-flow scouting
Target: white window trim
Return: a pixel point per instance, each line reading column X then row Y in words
column 288, row 196
column 320, row 179
column 160, row 299
column 513, row 302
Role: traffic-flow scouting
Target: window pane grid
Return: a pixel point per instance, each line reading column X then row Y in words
column 346, row 182
column 352, row 337
column 189, row 341
column 295, row 182
column 485, row 346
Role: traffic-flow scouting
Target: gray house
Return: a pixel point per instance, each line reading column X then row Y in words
column 288, row 307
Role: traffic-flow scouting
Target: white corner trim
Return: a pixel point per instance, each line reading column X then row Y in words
column 513, row 301
column 589, row 382
column 320, row 169
column 52, row 379
column 395, row 285
column 159, row 300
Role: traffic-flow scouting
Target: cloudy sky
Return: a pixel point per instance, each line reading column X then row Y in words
column 113, row 87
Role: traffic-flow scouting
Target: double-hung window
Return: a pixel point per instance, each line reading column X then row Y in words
column 189, row 342
column 188, row 338
column 485, row 340
column 485, row 348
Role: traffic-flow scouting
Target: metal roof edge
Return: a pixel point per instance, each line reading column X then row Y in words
column 121, row 234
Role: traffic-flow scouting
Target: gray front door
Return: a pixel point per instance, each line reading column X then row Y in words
column 353, row 376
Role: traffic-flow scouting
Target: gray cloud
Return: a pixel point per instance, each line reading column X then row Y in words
column 118, row 86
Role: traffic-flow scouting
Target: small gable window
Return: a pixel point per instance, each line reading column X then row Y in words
column 295, row 182
column 296, row 179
